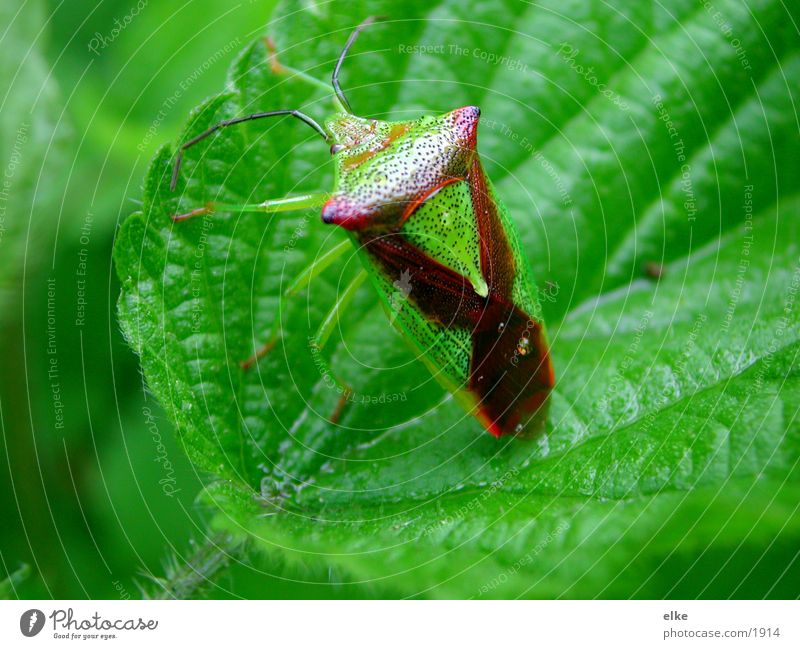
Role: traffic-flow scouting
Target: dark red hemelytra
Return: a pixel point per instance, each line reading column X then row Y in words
column 511, row 368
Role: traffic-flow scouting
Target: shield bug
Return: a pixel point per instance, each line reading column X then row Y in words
column 438, row 246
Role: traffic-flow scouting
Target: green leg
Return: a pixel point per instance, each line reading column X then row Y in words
column 329, row 323
column 266, row 348
column 270, row 206
column 282, row 70
column 303, row 279
column 326, row 329
column 318, row 267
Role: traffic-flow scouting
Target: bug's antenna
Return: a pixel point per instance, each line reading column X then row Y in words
column 238, row 120
column 335, row 77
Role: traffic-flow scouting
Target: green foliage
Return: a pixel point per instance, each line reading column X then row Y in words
column 10, row 585
column 32, row 139
column 635, row 138
column 95, row 492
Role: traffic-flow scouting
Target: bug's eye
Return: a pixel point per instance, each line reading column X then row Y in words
column 335, row 148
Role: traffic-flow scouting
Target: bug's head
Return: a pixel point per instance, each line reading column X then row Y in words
column 385, row 169
column 349, row 132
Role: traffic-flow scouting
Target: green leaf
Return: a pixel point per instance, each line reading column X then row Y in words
column 670, row 462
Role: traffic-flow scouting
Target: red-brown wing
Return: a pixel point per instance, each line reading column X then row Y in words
column 497, row 261
column 510, row 368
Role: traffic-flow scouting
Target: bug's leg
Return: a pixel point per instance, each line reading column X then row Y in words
column 266, row 348
column 336, row 415
column 270, row 206
column 341, row 101
column 332, row 319
column 326, row 329
column 303, row 279
column 320, row 265
column 280, row 69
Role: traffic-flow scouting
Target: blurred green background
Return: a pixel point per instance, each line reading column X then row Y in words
column 96, row 502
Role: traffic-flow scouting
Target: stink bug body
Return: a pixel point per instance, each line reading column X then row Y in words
column 430, row 229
